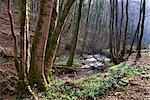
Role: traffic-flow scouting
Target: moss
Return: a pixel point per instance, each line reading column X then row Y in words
column 61, row 18
column 48, row 55
column 17, row 64
column 52, row 41
column 35, row 78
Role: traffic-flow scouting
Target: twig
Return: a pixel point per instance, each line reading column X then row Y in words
column 33, row 94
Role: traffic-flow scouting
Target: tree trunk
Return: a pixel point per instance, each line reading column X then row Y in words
column 48, row 52
column 121, row 24
column 22, row 65
column 116, row 27
column 87, row 25
column 52, row 44
column 75, row 35
column 28, row 35
column 111, row 34
column 21, row 86
column 137, row 29
column 22, row 38
column 36, row 73
column 13, row 34
column 126, row 30
column 142, row 31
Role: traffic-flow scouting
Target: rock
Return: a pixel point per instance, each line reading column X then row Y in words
column 98, row 64
column 85, row 56
column 107, row 60
column 91, row 64
column 118, row 93
column 89, row 56
column 83, row 61
column 90, row 60
column 86, row 66
column 97, row 55
column 147, row 76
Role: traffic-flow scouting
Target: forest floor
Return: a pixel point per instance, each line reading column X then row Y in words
column 139, row 89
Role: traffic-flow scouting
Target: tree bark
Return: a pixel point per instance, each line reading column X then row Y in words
column 137, row 28
column 111, row 34
column 121, row 24
column 126, row 30
column 51, row 49
column 142, row 31
column 14, row 35
column 87, row 25
column 116, row 27
column 75, row 35
column 48, row 52
column 21, row 86
column 36, row 73
column 28, row 45
column 22, row 38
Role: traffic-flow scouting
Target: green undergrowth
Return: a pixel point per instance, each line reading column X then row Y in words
column 88, row 88
column 109, row 64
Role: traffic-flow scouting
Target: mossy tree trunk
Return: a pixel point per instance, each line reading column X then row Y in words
column 22, row 65
column 48, row 46
column 22, row 38
column 75, row 35
column 52, row 43
column 36, row 73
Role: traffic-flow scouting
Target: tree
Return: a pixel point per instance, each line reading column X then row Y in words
column 36, row 73
column 36, row 68
column 19, row 68
column 22, row 65
column 87, row 26
column 116, row 26
column 28, row 45
column 142, row 31
column 52, row 46
column 48, row 52
column 75, row 35
column 111, row 33
column 126, row 30
column 121, row 24
column 137, row 28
